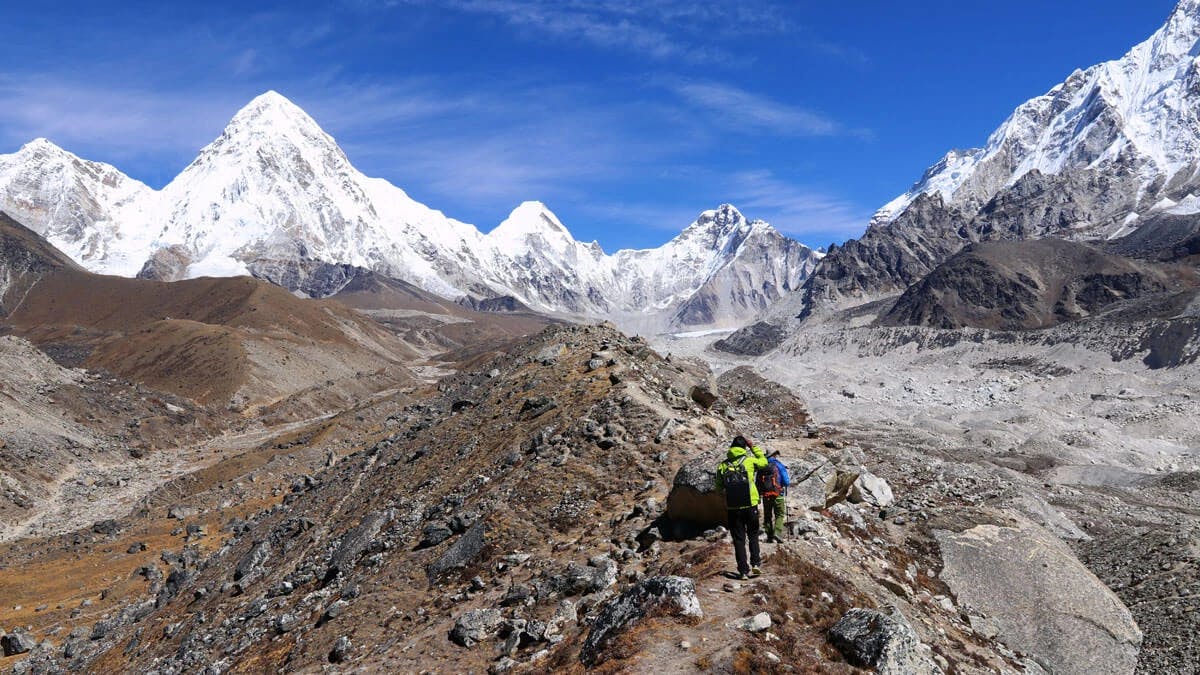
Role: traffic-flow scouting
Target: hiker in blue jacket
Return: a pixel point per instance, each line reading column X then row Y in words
column 773, row 483
column 735, row 477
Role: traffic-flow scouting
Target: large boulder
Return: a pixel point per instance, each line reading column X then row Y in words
column 817, row 482
column 886, row 642
column 476, row 625
column 462, row 553
column 660, row 596
column 870, row 489
column 16, row 643
column 694, row 496
column 1037, row 596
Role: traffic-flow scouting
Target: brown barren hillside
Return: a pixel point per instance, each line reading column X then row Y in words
column 217, row 341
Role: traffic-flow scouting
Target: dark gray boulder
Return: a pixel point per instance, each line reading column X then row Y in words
column 355, row 542
column 870, row 638
column 694, row 497
column 668, row 595
column 16, row 643
column 461, row 553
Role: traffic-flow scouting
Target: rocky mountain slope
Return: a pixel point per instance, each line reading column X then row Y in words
column 274, row 191
column 1097, row 157
column 396, row 537
column 1038, row 284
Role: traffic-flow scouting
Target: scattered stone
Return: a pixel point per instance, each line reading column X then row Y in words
column 106, row 527
column 341, row 649
column 886, row 642
column 660, row 595
column 136, row 548
column 755, row 624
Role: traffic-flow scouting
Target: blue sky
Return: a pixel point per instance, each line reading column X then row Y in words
column 627, row 117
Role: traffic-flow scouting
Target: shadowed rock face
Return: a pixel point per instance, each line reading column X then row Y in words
column 753, row 340
column 1039, row 598
column 1029, row 284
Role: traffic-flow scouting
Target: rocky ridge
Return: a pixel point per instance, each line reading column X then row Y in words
column 423, row 542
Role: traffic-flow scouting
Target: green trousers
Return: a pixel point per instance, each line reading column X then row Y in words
column 774, row 515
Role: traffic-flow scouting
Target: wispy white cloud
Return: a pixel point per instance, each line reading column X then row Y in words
column 739, row 109
column 798, row 210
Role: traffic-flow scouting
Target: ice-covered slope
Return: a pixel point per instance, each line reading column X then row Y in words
column 1135, row 115
column 274, row 196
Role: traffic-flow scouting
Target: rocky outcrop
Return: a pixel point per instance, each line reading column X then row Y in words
column 1032, row 591
column 661, row 596
column 1027, row 285
column 883, row 641
column 753, row 340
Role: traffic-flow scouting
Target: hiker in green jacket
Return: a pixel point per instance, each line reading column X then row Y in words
column 735, row 477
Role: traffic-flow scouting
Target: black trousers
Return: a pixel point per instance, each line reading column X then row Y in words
column 743, row 526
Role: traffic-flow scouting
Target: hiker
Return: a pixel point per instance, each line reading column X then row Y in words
column 772, row 483
column 735, row 477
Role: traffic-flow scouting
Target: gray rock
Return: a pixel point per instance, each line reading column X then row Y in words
column 1039, row 598
column 16, row 643
column 475, row 626
column 251, row 565
column 599, row 574
column 341, row 649
column 286, row 623
column 462, row 552
column 812, row 476
column 355, row 542
column 674, row 596
column 106, row 527
column 871, row 489
column 434, row 534
column 182, row 512
column 884, row 641
column 754, row 624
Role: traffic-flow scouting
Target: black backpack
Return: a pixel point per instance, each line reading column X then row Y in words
column 737, row 485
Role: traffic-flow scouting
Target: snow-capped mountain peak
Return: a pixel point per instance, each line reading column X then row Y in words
column 530, row 219
column 274, row 196
column 1134, row 116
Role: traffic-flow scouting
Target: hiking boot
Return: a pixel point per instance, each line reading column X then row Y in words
column 743, row 577
column 755, row 572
